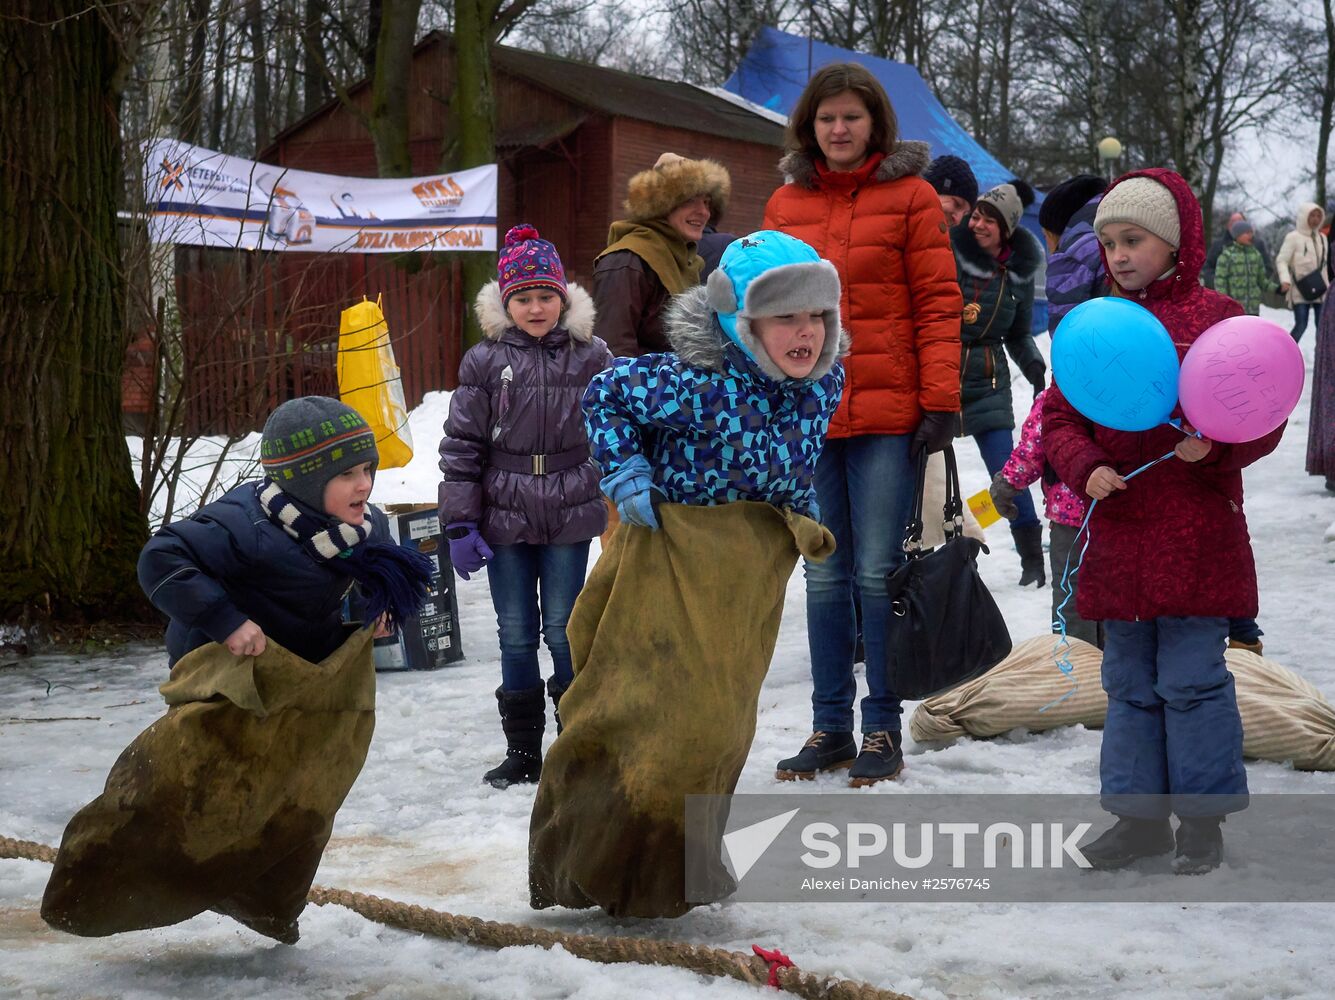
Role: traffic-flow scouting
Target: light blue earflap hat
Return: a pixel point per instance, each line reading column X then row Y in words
column 773, row 274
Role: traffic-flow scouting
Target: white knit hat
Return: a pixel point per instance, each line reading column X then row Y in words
column 1143, row 202
column 1006, row 200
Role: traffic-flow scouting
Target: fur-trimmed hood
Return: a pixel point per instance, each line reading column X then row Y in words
column 577, row 319
column 909, row 159
column 653, row 193
column 691, row 324
column 973, row 260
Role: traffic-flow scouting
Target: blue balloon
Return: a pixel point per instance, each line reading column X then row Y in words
column 1116, row 364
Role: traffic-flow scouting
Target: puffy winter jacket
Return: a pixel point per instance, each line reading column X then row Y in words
column 516, row 413
column 998, row 309
column 1075, row 271
column 630, row 300
column 1240, row 274
column 714, row 427
column 229, row 562
column 1175, row 541
column 881, row 226
column 1304, row 251
column 1028, row 464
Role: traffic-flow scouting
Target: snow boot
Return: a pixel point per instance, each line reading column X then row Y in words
column 1128, row 840
column 1029, row 543
column 1200, row 845
column 554, row 691
column 881, row 759
column 822, row 752
column 523, row 716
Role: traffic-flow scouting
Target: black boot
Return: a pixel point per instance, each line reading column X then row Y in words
column 1200, row 845
column 881, row 759
column 822, row 752
column 1128, row 840
column 1029, row 543
column 554, row 691
column 523, row 715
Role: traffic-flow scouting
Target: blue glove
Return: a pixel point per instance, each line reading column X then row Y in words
column 469, row 551
column 631, row 488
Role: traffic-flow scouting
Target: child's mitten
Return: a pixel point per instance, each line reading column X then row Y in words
column 1003, row 497
column 469, row 551
column 631, row 489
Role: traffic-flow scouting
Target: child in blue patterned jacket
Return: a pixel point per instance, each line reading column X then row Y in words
column 740, row 410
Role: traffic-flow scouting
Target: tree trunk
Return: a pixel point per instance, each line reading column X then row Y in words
column 260, row 71
column 192, row 101
column 1189, row 113
column 388, row 122
column 314, row 90
column 1327, row 104
column 74, row 530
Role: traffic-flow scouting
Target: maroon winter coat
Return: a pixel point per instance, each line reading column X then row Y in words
column 518, row 398
column 1174, row 542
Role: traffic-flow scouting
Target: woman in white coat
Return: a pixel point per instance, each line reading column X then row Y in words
column 1304, row 252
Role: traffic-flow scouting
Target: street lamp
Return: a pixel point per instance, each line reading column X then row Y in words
column 1109, row 150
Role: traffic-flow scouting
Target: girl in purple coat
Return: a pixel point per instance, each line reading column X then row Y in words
column 520, row 493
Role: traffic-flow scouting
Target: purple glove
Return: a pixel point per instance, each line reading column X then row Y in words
column 469, row 551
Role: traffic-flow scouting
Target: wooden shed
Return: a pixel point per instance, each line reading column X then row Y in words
column 569, row 137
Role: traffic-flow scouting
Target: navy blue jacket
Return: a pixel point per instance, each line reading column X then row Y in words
column 230, row 562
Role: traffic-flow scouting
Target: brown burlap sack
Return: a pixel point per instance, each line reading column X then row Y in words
column 671, row 639
column 1284, row 717
column 227, row 801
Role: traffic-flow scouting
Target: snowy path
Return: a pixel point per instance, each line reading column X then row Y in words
column 419, row 826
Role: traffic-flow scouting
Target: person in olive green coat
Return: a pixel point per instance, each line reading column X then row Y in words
column 1240, row 270
column 997, row 261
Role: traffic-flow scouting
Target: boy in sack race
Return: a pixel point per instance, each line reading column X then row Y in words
column 1169, row 559
column 227, row 801
column 708, row 455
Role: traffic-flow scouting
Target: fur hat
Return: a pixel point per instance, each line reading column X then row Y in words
column 1241, row 228
column 1006, row 200
column 309, row 440
column 950, row 175
column 528, row 261
column 1067, row 198
column 770, row 273
column 1143, row 202
column 655, row 192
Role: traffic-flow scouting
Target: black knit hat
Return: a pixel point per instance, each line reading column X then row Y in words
column 1066, row 199
column 951, row 175
column 309, row 440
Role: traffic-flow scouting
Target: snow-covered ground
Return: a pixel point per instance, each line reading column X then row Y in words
column 419, row 826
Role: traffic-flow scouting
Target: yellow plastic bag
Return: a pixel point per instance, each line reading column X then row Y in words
column 369, row 380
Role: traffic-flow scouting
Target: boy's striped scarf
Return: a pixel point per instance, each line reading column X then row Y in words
column 394, row 579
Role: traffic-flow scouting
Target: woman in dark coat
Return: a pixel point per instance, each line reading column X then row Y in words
column 997, row 260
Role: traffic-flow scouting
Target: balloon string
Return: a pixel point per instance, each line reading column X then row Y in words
column 1176, row 424
column 1061, row 651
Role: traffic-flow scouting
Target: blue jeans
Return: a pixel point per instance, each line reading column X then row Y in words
column 996, row 447
column 517, row 574
column 1300, row 312
column 864, row 486
column 1173, row 727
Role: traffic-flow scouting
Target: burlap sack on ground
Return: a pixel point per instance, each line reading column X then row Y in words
column 1284, row 718
column 671, row 638
column 227, row 801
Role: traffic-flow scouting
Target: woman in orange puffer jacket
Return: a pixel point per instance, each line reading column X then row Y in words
column 855, row 194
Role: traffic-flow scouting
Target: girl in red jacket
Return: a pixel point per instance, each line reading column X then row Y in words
column 1169, row 559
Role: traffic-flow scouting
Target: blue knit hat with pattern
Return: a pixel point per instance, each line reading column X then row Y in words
column 309, row 440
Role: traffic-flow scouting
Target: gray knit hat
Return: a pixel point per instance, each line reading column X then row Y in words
column 1143, row 202
column 310, row 440
column 1006, row 200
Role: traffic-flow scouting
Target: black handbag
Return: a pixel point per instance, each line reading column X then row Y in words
column 1311, row 286
column 944, row 627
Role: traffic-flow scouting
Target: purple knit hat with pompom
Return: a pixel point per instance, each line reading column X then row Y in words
column 529, row 261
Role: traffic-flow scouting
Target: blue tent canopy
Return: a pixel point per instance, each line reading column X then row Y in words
column 775, row 70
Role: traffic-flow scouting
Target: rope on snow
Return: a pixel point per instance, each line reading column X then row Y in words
column 759, row 969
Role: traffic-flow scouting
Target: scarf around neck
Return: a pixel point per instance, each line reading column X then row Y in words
column 660, row 246
column 394, row 579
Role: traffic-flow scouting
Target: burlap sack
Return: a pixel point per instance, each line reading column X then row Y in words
column 671, row 638
column 1284, row 718
column 227, row 801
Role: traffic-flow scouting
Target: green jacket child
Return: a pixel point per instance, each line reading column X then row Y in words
column 1240, row 273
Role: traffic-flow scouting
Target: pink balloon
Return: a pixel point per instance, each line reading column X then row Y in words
column 1241, row 379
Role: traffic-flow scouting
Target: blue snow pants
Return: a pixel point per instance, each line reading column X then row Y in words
column 1173, row 737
